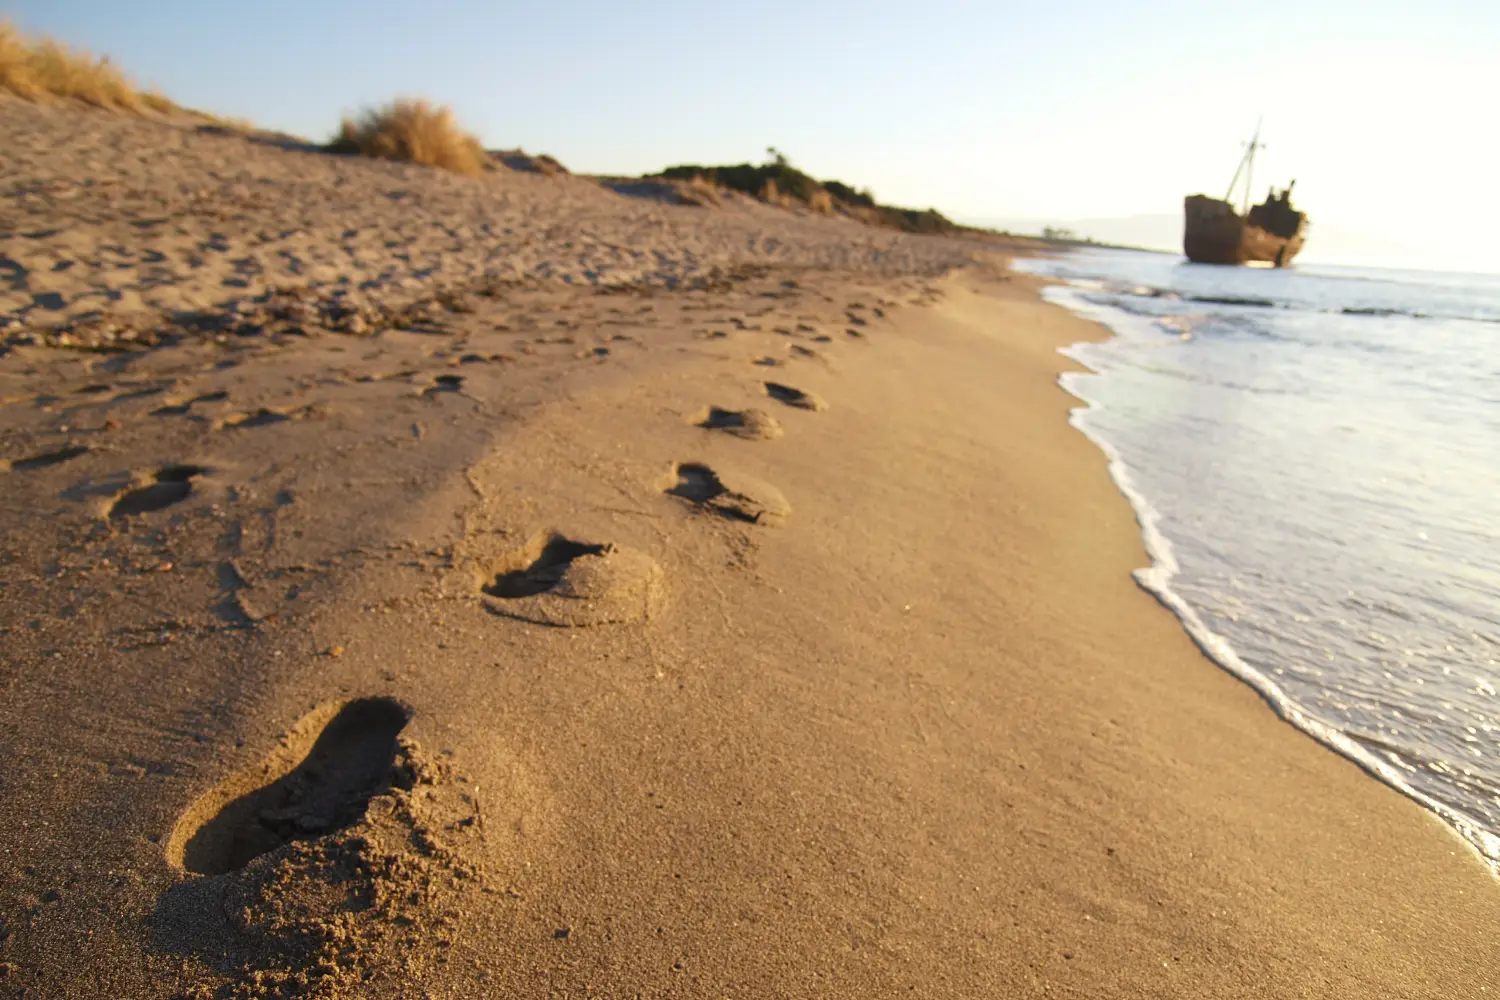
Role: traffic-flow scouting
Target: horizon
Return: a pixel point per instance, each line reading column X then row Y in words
column 918, row 109
column 1162, row 233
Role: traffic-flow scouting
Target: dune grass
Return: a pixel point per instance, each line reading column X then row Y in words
column 42, row 68
column 412, row 131
column 701, row 191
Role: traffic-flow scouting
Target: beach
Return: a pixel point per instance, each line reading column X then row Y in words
column 617, row 598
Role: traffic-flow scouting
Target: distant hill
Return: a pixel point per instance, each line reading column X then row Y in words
column 1325, row 244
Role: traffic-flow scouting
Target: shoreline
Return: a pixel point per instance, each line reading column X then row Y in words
column 853, row 697
column 1156, row 579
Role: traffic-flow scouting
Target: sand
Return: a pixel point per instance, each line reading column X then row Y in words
column 764, row 635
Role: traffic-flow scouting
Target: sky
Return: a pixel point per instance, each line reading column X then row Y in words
column 992, row 112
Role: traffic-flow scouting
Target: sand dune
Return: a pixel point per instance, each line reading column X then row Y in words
column 96, row 228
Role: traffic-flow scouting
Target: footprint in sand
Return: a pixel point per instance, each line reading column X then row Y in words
column 170, row 484
column 752, row 425
column 555, row 580
column 262, row 417
column 386, row 376
column 808, row 354
column 732, row 495
column 46, row 459
column 319, row 780
column 793, row 396
column 444, row 383
column 186, row 406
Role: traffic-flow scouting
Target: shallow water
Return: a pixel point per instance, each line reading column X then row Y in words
column 1314, row 455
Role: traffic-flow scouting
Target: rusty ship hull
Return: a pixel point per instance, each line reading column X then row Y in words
column 1214, row 233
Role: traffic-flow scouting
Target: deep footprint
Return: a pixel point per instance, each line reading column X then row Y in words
column 753, row 425
column 792, row 396
column 174, row 483
column 696, row 483
column 737, row 497
column 298, row 793
column 545, row 569
column 560, row 582
column 445, row 383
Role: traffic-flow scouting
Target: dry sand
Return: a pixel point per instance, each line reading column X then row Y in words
column 763, row 635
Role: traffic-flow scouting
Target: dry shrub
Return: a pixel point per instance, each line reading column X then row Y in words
column 40, row 68
column 157, row 102
column 412, row 131
column 770, row 194
column 15, row 63
column 699, row 191
column 64, row 73
column 820, row 201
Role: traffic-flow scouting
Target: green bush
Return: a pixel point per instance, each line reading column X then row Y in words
column 849, row 196
column 778, row 181
column 750, row 179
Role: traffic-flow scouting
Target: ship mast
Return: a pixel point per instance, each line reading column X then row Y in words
column 1246, row 167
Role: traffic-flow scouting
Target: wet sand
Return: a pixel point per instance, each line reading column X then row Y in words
column 765, row 634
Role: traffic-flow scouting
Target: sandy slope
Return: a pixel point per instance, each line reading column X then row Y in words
column 134, row 218
column 547, row 690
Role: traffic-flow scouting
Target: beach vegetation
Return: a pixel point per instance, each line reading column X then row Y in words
column 777, row 182
column 767, row 181
column 848, row 196
column 916, row 220
column 700, row 191
column 41, row 68
column 412, row 130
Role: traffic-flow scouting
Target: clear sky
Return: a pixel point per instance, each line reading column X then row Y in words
column 1384, row 112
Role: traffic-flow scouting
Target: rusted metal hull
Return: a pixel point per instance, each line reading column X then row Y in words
column 1214, row 233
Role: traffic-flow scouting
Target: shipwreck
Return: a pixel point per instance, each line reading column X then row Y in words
column 1270, row 233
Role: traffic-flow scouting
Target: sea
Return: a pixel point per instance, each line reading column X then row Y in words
column 1313, row 455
